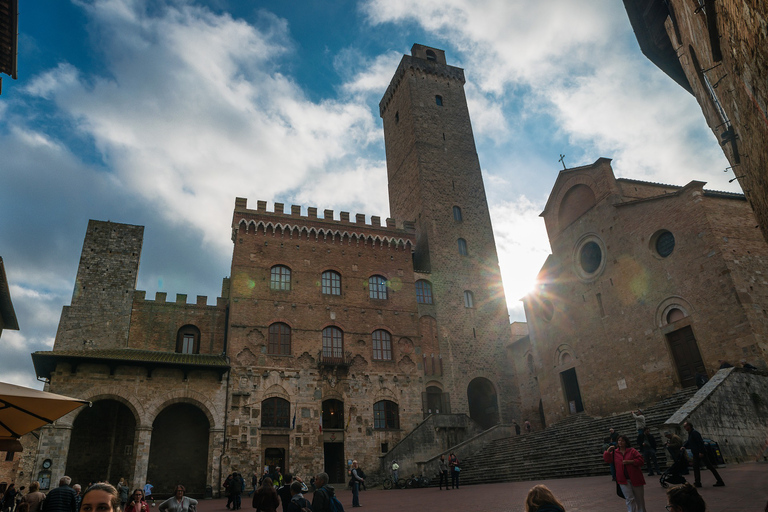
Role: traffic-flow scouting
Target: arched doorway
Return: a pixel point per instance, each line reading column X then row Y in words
column 178, row 453
column 483, row 406
column 101, row 446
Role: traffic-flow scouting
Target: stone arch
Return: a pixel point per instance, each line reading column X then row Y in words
column 107, row 393
column 179, row 448
column 276, row 390
column 385, row 393
column 564, row 357
column 575, row 203
column 102, row 443
column 567, row 186
column 483, row 402
column 185, row 396
column 666, row 306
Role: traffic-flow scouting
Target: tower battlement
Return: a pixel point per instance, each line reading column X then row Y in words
column 420, row 61
column 294, row 222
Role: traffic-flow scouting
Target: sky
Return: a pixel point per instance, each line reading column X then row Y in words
column 161, row 112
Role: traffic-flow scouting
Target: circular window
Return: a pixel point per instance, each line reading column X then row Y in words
column 590, row 257
column 665, row 243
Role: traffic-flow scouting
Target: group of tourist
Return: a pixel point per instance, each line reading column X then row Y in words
column 627, row 462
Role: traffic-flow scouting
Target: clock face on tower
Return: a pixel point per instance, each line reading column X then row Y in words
column 46, row 463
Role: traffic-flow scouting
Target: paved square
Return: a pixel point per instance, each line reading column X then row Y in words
column 746, row 490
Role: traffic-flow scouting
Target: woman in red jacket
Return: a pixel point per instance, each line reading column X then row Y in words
column 629, row 473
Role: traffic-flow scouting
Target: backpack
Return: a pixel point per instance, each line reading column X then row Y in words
column 334, row 502
column 305, row 506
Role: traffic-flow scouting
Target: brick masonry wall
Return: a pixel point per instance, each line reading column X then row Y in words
column 257, row 375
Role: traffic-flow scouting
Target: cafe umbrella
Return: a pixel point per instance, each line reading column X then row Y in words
column 23, row 410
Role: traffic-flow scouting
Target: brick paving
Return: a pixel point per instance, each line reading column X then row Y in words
column 746, row 490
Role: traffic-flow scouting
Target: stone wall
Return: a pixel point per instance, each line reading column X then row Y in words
column 436, row 434
column 732, row 409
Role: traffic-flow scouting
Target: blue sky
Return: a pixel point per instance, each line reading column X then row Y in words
column 160, row 113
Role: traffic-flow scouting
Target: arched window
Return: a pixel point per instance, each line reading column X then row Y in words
column 331, row 283
column 457, row 214
column 439, row 100
column 377, row 287
column 333, row 343
column 275, row 413
column 382, row 345
column 469, row 299
column 385, row 415
column 463, row 247
column 423, row 292
column 431, row 55
column 280, row 278
column 279, row 340
column 188, row 340
column 333, row 414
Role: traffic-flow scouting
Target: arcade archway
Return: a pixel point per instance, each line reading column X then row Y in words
column 178, row 453
column 483, row 405
column 101, row 446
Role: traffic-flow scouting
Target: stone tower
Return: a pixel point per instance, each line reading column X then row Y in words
column 100, row 313
column 435, row 180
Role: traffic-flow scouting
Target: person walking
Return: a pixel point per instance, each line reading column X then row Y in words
column 124, row 492
column 453, row 464
column 356, row 481
column 696, row 444
column 178, row 502
column 629, row 473
column 62, row 498
column 649, row 452
column 9, row 498
column 443, row 466
column 395, row 472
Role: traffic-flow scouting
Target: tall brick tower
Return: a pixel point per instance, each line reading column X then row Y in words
column 435, row 180
column 100, row 313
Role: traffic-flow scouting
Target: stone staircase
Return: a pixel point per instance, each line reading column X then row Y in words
column 570, row 448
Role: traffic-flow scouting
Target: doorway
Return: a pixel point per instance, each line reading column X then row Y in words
column 275, row 458
column 572, row 392
column 685, row 352
column 483, row 407
column 335, row 466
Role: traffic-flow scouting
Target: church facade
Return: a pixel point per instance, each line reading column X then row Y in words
column 647, row 286
column 333, row 337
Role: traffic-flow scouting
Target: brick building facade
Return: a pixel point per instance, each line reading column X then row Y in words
column 647, row 285
column 718, row 51
column 333, row 337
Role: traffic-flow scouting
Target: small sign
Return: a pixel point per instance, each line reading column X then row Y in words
column 622, row 383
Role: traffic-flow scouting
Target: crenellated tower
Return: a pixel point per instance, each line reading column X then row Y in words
column 435, row 180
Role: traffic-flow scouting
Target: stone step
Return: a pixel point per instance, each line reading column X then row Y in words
column 570, row 448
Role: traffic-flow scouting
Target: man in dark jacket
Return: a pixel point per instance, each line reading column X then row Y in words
column 62, row 498
column 321, row 500
column 696, row 444
column 649, row 452
column 235, row 489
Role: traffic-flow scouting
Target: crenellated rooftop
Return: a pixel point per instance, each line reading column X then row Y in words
column 321, row 227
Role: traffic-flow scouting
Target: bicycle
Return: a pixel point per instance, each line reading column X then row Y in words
column 390, row 483
column 417, row 481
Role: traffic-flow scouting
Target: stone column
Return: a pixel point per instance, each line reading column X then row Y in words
column 54, row 445
column 142, row 440
column 215, row 444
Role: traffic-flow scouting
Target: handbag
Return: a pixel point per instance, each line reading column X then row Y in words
column 619, row 492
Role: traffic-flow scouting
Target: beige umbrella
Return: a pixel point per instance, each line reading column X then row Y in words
column 23, row 410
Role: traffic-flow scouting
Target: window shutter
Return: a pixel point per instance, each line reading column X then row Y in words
column 424, row 405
